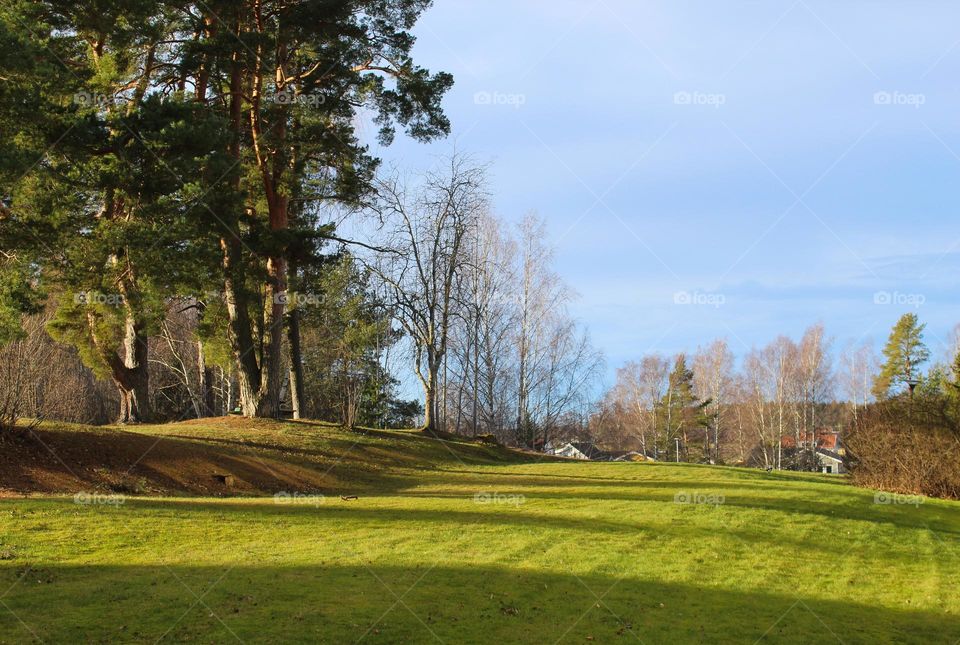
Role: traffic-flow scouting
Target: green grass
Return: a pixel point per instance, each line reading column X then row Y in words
column 547, row 552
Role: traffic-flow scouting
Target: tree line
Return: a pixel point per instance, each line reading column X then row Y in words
column 172, row 181
column 495, row 347
column 172, row 184
column 186, row 154
column 767, row 408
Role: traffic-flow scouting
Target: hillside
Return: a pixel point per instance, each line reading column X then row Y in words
column 193, row 457
column 458, row 543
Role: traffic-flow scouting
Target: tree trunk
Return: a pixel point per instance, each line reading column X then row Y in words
column 128, row 372
column 430, row 419
column 296, row 362
column 274, row 309
column 131, row 375
column 228, row 399
column 240, row 330
column 476, row 382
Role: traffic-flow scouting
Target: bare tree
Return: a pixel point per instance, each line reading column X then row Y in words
column 814, row 378
column 40, row 378
column 24, row 378
column 714, row 381
column 780, row 360
column 518, row 364
column 859, row 366
column 570, row 364
column 640, row 388
column 425, row 252
column 540, row 293
column 482, row 345
column 758, row 386
column 184, row 381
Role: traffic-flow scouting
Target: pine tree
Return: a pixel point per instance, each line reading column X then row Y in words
column 683, row 410
column 155, row 148
column 289, row 80
column 108, row 213
column 904, row 353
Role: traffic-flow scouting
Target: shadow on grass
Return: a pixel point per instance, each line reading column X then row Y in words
column 621, row 479
column 51, row 461
column 858, row 507
column 738, row 542
column 397, row 604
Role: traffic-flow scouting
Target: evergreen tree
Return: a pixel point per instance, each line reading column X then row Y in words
column 347, row 330
column 103, row 214
column 904, row 353
column 289, row 80
column 152, row 148
column 682, row 409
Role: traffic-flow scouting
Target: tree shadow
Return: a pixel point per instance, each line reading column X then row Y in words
column 131, row 463
column 392, row 603
column 739, row 542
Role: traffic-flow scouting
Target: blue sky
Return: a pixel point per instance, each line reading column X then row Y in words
column 774, row 163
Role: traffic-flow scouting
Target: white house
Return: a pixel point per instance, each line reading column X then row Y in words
column 828, row 448
column 830, row 462
column 571, row 451
column 588, row 451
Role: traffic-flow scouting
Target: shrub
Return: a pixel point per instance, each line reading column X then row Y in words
column 907, row 446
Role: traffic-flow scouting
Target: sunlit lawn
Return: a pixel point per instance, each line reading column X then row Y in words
column 541, row 553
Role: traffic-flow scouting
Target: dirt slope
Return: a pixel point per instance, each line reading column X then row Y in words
column 223, row 456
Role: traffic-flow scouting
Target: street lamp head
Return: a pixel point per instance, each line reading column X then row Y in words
column 912, row 383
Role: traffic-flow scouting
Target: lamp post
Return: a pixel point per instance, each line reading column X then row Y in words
column 912, row 383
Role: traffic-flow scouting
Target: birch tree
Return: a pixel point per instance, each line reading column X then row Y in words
column 858, row 369
column 713, row 379
column 482, row 343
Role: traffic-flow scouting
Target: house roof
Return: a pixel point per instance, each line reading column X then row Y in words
column 826, row 440
column 830, row 454
column 829, row 441
column 589, row 450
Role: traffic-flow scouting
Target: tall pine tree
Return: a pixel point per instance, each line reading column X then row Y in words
column 683, row 409
column 904, row 353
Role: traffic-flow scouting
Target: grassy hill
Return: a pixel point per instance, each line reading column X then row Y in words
column 264, row 457
column 448, row 542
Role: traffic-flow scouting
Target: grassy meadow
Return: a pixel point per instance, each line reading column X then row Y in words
column 460, row 543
